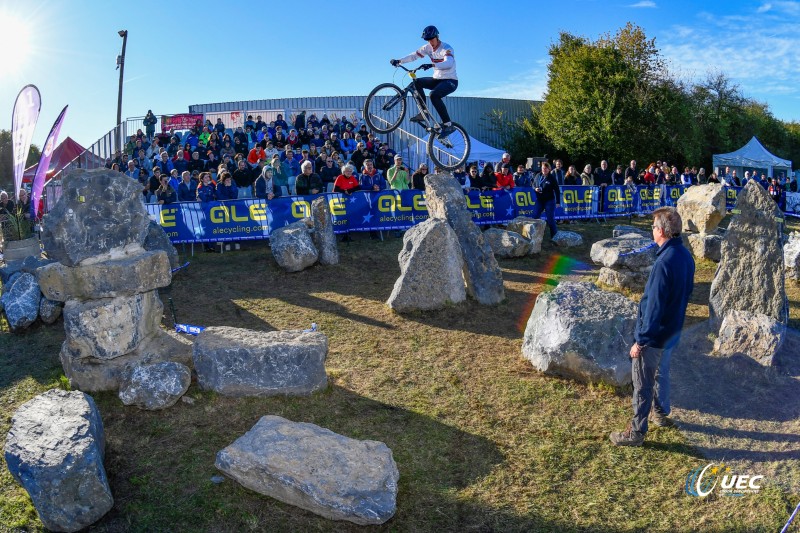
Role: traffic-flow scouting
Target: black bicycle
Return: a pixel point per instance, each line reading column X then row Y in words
column 386, row 107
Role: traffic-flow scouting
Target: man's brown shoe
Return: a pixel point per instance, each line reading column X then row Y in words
column 661, row 420
column 626, row 438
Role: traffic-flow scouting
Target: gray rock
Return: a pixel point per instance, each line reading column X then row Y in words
column 581, row 332
column 530, row 228
column 241, row 362
column 622, row 230
column 9, row 270
column 702, row 207
column 98, row 211
column 791, row 257
column 21, row 302
column 110, row 327
column 315, row 469
column 11, row 279
column 506, row 243
column 156, row 386
column 324, row 238
column 705, row 246
column 623, row 278
column 752, row 334
column 135, row 272
column 91, row 375
column 293, row 248
column 629, row 253
column 31, row 264
column 49, row 310
column 55, row 451
column 793, row 202
column 567, row 239
column 445, row 201
column 750, row 273
column 157, row 239
column 430, row 269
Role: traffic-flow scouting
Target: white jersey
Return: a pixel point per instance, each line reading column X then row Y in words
column 444, row 63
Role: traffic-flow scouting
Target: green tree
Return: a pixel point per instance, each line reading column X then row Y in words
column 7, row 160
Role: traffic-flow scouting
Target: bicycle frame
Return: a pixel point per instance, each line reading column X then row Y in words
column 419, row 98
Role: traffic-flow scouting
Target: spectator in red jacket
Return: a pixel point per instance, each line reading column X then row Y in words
column 505, row 180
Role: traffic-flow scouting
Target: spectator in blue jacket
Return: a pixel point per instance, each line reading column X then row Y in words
column 522, row 178
column 226, row 188
column 206, row 192
column 219, row 127
column 180, row 163
column 282, row 123
column 265, row 186
column 164, row 163
column 371, row 179
column 192, row 140
column 165, row 194
column 187, row 188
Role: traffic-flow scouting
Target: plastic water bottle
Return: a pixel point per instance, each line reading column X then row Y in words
column 312, row 329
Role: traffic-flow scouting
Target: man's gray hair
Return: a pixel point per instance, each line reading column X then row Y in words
column 305, row 165
column 668, row 219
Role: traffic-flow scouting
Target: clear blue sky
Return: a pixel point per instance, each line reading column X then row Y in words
column 182, row 53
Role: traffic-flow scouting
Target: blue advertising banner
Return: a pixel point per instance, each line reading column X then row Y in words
column 731, row 194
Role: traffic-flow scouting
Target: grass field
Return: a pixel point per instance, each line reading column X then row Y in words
column 482, row 441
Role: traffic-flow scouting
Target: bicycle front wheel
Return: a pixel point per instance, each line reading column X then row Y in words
column 450, row 152
column 385, row 108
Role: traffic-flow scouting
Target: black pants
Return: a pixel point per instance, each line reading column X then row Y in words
column 439, row 89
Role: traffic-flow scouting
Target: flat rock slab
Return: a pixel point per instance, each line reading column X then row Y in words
column 705, row 246
column 581, row 332
column 324, row 238
column 752, row 334
column 21, row 302
column 242, row 362
column 157, row 239
column 506, row 243
column 530, row 228
column 445, row 201
column 134, row 273
column 702, row 207
column 98, row 211
column 156, row 386
column 293, row 248
column 55, row 451
column 791, row 257
column 431, row 269
column 622, row 230
column 567, row 239
column 315, row 469
column 628, row 253
column 623, row 278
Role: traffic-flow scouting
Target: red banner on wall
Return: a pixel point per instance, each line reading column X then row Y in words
column 184, row 121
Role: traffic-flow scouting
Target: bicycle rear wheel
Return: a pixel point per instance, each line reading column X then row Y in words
column 385, row 108
column 451, row 152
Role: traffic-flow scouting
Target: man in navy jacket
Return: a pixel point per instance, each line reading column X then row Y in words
column 662, row 310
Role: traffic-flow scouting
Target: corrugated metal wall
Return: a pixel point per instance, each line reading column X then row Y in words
column 472, row 113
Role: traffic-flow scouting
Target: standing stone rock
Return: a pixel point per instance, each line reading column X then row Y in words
column 791, row 257
column 567, row 239
column 629, row 253
column 315, row 469
column 702, row 207
column 507, row 243
column 55, row 451
column 157, row 239
column 324, row 238
column 445, row 201
column 623, row 278
column 705, row 246
column 155, row 386
column 241, row 362
column 530, row 228
column 98, row 212
column 49, row 310
column 581, row 332
column 430, row 269
column 622, row 230
column 135, row 271
column 793, row 202
column 110, row 327
column 752, row 334
column 21, row 302
column 293, row 248
column 750, row 273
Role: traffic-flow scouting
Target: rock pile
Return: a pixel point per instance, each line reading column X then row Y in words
column 22, row 300
column 531, row 229
column 301, row 244
column 506, row 243
column 112, row 312
column 626, row 260
column 702, row 208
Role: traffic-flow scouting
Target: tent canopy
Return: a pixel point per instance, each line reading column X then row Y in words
column 65, row 152
column 752, row 155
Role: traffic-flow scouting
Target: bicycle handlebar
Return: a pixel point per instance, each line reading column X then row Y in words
column 426, row 66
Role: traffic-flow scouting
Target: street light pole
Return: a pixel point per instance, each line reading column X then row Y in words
column 121, row 67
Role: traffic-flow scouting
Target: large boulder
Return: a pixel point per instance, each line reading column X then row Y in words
column 134, row 272
column 49, row 310
column 55, row 451
column 324, row 238
column 705, row 246
column 630, row 253
column 622, row 230
column 506, row 243
column 110, row 327
column 702, row 207
column 241, row 362
column 293, row 248
column 752, row 334
column 567, row 239
column 793, row 202
column 530, row 228
column 315, row 469
column 430, row 269
column 633, row 280
column 445, row 201
column 157, row 239
column 750, row 273
column 21, row 301
column 156, row 386
column 791, row 257
column 98, row 212
column 581, row 332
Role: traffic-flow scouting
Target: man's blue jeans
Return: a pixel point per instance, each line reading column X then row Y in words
column 651, row 386
column 549, row 209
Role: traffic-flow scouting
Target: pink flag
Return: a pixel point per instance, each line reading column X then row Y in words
column 44, row 164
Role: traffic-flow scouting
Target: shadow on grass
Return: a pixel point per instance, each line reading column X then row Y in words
column 32, row 353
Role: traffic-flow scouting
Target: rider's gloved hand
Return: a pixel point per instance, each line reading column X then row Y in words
column 394, row 62
column 426, row 66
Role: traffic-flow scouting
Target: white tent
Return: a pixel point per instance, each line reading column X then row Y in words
column 751, row 156
column 480, row 151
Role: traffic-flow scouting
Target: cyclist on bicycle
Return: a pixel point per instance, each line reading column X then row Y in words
column 444, row 80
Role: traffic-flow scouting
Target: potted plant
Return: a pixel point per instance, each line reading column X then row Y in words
column 20, row 240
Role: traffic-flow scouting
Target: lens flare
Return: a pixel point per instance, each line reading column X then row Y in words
column 557, row 266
